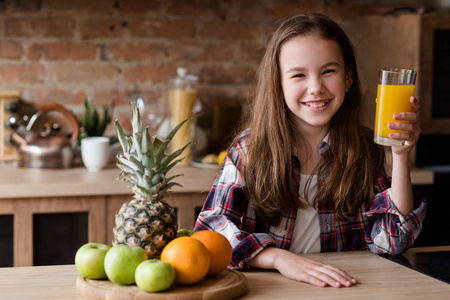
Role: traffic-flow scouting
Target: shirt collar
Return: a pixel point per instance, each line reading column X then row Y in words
column 324, row 144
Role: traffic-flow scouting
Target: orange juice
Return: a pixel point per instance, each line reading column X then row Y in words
column 391, row 99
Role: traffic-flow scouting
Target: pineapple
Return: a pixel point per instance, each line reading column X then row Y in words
column 146, row 220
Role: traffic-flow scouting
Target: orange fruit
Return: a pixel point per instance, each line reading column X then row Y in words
column 189, row 257
column 219, row 249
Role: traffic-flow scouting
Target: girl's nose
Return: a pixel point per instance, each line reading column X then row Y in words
column 315, row 86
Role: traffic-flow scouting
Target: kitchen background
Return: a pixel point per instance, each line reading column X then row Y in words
column 115, row 51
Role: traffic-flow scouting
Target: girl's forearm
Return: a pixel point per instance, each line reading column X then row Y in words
column 401, row 189
column 265, row 259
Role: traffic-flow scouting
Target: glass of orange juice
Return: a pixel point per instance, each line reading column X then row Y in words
column 395, row 88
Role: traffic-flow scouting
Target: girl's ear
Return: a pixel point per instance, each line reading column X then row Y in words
column 348, row 79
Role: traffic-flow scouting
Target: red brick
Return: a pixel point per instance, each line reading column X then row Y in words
column 138, row 6
column 101, row 28
column 136, row 52
column 45, row 94
column 229, row 31
column 85, row 73
column 227, row 75
column 108, row 97
column 209, row 52
column 199, row 8
column 39, row 27
column 19, row 27
column 148, row 74
column 10, row 49
column 60, row 51
column 53, row 27
column 82, row 51
column 62, row 96
column 81, row 6
column 250, row 52
column 21, row 73
column 164, row 29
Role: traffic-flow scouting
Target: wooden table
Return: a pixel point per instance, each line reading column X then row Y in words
column 378, row 278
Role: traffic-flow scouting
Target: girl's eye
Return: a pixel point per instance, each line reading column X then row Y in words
column 328, row 71
column 298, row 75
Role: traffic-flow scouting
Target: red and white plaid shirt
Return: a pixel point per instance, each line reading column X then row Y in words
column 227, row 210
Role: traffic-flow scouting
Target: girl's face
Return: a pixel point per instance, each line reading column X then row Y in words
column 314, row 79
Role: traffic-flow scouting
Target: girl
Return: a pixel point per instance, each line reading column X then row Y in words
column 305, row 176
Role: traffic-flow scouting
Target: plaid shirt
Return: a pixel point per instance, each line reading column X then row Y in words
column 227, row 210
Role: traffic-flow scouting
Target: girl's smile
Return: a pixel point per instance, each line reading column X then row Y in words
column 316, row 104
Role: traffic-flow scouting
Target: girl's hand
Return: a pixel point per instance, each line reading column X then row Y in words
column 412, row 127
column 297, row 267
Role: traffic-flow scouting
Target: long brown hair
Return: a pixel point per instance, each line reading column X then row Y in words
column 353, row 161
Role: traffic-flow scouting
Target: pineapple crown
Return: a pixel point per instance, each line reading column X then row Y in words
column 144, row 162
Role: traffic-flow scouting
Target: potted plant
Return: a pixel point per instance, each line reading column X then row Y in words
column 93, row 125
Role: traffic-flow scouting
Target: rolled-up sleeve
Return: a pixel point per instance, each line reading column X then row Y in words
column 389, row 232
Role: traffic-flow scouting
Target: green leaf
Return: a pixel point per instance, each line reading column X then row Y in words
column 166, row 142
column 122, row 139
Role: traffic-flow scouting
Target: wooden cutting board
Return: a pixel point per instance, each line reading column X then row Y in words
column 228, row 284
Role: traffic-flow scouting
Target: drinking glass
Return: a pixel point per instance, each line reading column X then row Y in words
column 395, row 88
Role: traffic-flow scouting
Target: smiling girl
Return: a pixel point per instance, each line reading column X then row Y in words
column 304, row 175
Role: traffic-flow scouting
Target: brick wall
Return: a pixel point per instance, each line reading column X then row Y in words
column 105, row 50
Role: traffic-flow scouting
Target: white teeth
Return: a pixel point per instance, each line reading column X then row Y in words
column 317, row 104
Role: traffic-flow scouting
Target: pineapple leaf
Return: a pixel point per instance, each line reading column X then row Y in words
column 157, row 143
column 126, row 170
column 171, row 165
column 122, row 138
column 132, row 163
column 172, row 156
column 160, row 152
column 172, row 184
column 136, row 118
column 145, row 144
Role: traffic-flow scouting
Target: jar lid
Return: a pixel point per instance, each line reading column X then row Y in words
column 183, row 77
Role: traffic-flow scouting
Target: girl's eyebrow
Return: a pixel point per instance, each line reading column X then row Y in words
column 301, row 69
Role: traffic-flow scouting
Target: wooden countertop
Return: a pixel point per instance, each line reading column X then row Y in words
column 378, row 278
column 27, row 182
column 18, row 182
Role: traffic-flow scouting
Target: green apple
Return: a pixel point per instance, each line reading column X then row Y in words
column 89, row 260
column 185, row 232
column 121, row 262
column 154, row 275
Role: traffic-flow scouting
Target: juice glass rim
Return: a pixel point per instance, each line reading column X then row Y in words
column 398, row 70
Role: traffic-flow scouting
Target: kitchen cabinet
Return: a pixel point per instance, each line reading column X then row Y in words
column 29, row 199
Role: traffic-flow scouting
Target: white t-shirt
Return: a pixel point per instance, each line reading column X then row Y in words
column 306, row 235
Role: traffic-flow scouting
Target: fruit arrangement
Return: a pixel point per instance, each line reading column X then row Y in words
column 148, row 248
column 185, row 260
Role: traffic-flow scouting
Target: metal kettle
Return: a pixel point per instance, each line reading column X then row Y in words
column 46, row 147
